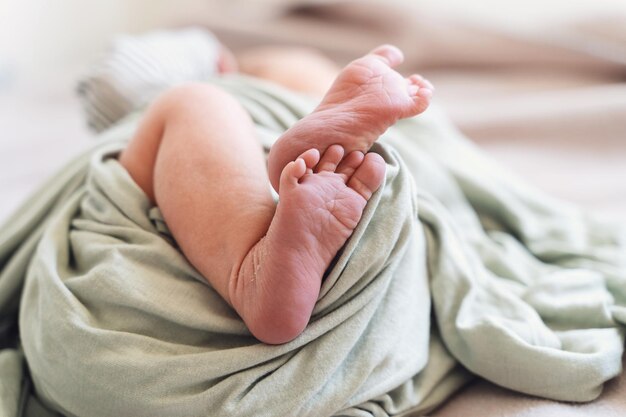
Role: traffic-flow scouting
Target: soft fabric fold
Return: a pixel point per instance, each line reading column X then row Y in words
column 455, row 266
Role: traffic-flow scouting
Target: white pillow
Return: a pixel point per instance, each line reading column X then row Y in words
column 137, row 68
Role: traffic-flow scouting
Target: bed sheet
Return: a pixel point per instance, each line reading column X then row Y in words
column 555, row 94
column 550, row 106
column 548, row 103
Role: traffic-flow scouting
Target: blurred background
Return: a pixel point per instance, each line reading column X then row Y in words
column 539, row 84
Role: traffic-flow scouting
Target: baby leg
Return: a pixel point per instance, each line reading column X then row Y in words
column 196, row 155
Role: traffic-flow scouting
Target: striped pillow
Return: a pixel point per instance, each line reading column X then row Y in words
column 137, row 68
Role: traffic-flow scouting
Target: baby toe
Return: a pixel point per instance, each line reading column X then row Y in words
column 421, row 82
column 331, row 158
column 310, row 157
column 419, row 87
column 368, row 176
column 349, row 164
column 292, row 173
column 392, row 55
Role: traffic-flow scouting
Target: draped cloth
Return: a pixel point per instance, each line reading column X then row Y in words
column 456, row 269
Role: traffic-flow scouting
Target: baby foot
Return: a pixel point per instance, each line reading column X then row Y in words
column 321, row 203
column 366, row 98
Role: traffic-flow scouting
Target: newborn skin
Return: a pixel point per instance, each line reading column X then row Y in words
column 366, row 98
column 196, row 156
column 321, row 202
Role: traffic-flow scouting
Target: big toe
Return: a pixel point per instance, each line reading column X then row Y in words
column 392, row 55
column 295, row 170
column 368, row 176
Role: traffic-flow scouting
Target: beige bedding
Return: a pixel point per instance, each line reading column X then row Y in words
column 550, row 104
column 552, row 95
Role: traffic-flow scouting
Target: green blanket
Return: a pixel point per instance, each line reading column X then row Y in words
column 456, row 269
